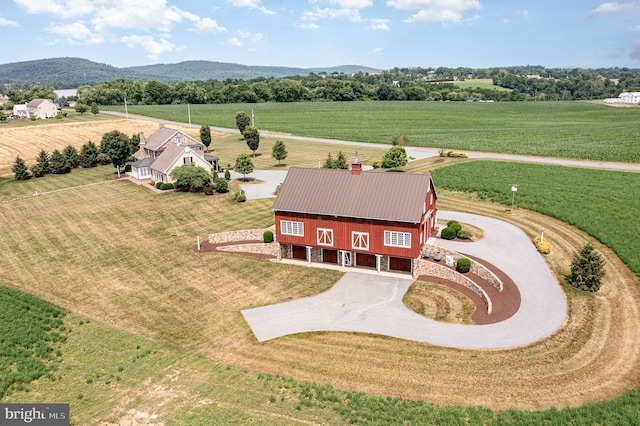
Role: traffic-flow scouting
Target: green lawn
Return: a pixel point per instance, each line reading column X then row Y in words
column 554, row 129
column 166, row 331
column 604, row 204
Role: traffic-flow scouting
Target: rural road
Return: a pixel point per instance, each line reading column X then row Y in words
column 362, row 303
column 417, row 152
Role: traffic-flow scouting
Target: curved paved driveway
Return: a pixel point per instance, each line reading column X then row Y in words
column 373, row 303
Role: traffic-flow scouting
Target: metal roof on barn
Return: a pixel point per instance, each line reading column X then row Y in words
column 397, row 197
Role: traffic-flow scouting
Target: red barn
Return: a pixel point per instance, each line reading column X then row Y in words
column 355, row 218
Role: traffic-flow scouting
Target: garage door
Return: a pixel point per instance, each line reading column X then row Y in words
column 365, row 260
column 300, row 252
column 400, row 264
column 330, row 256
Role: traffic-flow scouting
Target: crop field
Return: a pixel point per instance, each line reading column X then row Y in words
column 603, row 204
column 166, row 322
column 555, row 129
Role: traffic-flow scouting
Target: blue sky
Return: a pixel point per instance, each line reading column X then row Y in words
column 319, row 33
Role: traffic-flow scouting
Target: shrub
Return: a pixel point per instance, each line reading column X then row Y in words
column 464, row 235
column 158, row 185
column 220, row 185
column 377, row 164
column 463, row 265
column 165, row 186
column 240, row 196
column 454, row 225
column 267, row 236
column 543, row 247
column 448, row 233
column 227, row 174
column 454, row 154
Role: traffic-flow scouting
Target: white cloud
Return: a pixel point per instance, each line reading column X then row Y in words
column 309, row 26
column 352, row 4
column 524, row 13
column 435, row 10
column 154, row 48
column 62, row 8
column 612, row 7
column 251, row 4
column 140, row 24
column 377, row 51
column 75, row 33
column 208, row 25
column 235, row 41
column 332, row 13
column 379, row 24
column 4, row 22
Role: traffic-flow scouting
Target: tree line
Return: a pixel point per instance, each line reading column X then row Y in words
column 398, row 84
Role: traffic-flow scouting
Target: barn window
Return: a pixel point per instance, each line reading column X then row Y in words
column 288, row 227
column 360, row 240
column 397, row 239
column 325, row 237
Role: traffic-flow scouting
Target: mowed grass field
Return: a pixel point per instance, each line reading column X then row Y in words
column 483, row 83
column 106, row 252
column 554, row 129
column 49, row 135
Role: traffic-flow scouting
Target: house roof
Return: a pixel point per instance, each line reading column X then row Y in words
column 144, row 162
column 36, row 102
column 165, row 134
column 397, row 197
column 170, row 155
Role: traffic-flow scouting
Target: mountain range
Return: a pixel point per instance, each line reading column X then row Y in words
column 69, row 73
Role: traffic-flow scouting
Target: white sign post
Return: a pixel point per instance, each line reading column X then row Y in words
column 514, row 189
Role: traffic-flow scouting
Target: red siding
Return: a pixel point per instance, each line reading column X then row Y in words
column 343, row 228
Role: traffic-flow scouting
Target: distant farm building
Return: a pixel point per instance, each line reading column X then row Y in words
column 625, row 97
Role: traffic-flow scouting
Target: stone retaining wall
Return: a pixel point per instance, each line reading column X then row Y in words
column 428, row 267
column 231, row 236
column 476, row 268
column 272, row 249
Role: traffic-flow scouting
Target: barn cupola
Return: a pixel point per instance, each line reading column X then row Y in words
column 356, row 166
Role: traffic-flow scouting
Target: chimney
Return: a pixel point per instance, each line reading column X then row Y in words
column 356, row 166
column 143, row 140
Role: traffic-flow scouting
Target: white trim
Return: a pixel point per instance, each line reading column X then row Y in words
column 324, row 237
column 397, row 239
column 360, row 240
column 289, row 227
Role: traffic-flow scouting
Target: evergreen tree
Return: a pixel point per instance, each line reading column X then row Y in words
column 20, row 170
column 587, row 269
column 341, row 161
column 94, row 108
column 41, row 167
column 329, row 163
column 243, row 165
column 71, row 154
column 279, row 151
column 242, row 121
column 88, row 155
column 58, row 163
column 252, row 136
column 205, row 135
